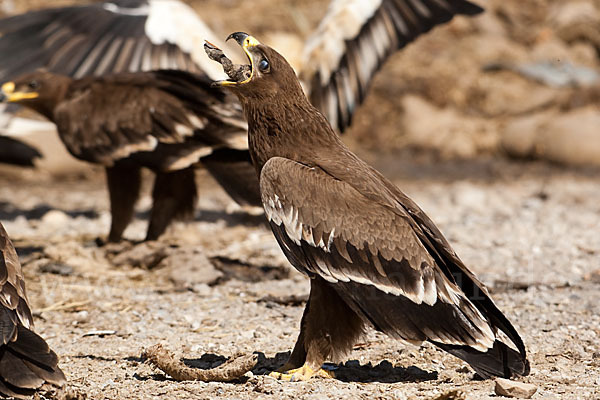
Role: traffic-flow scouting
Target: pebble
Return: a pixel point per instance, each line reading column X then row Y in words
column 191, row 269
column 508, row 388
column 55, row 218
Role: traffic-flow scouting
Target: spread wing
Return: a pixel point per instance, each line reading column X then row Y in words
column 166, row 119
column 106, row 37
column 355, row 38
column 383, row 263
column 26, row 361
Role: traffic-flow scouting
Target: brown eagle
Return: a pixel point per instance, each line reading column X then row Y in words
column 372, row 255
column 26, row 361
column 166, row 120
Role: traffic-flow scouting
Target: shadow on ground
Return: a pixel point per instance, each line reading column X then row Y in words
column 9, row 212
column 353, row 371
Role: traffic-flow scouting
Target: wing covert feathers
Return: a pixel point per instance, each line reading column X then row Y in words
column 166, row 119
column 373, row 255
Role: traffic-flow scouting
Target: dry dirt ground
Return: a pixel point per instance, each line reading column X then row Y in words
column 220, row 285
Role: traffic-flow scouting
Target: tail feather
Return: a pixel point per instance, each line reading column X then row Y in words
column 9, row 390
column 26, row 364
column 14, row 371
column 54, row 376
column 500, row 360
column 33, row 348
column 499, row 320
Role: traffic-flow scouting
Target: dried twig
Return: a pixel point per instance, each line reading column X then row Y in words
column 170, row 365
column 62, row 306
column 235, row 72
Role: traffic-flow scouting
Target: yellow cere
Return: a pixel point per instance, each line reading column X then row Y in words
column 8, row 87
column 250, row 42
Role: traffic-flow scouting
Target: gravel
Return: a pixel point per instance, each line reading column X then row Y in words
column 528, row 230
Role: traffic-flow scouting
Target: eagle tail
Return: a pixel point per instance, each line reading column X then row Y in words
column 26, row 364
column 508, row 361
column 500, row 360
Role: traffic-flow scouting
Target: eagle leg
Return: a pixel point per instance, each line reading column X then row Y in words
column 123, row 190
column 298, row 356
column 328, row 330
column 174, row 196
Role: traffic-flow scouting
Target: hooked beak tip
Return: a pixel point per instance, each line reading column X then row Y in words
column 238, row 37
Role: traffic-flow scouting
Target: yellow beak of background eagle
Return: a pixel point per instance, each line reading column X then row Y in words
column 8, row 94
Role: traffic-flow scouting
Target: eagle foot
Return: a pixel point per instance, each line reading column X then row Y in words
column 303, row 373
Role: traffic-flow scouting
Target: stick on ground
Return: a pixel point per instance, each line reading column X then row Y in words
column 231, row 370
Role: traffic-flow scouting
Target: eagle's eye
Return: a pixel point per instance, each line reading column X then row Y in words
column 34, row 84
column 263, row 66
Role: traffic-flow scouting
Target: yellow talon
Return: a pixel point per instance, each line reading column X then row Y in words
column 303, row 373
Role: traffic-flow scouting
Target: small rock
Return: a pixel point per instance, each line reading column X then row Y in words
column 55, row 218
column 593, row 276
column 570, row 138
column 82, row 316
column 445, row 131
column 56, row 268
column 508, row 388
column 519, row 136
column 189, row 268
column 202, row 289
column 144, row 255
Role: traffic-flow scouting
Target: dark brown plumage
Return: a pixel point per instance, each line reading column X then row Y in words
column 168, row 121
column 373, row 256
column 26, row 361
column 13, row 151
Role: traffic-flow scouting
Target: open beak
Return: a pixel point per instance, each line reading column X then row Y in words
column 8, row 94
column 247, row 42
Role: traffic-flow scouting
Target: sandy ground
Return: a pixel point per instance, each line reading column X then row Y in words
column 219, row 285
